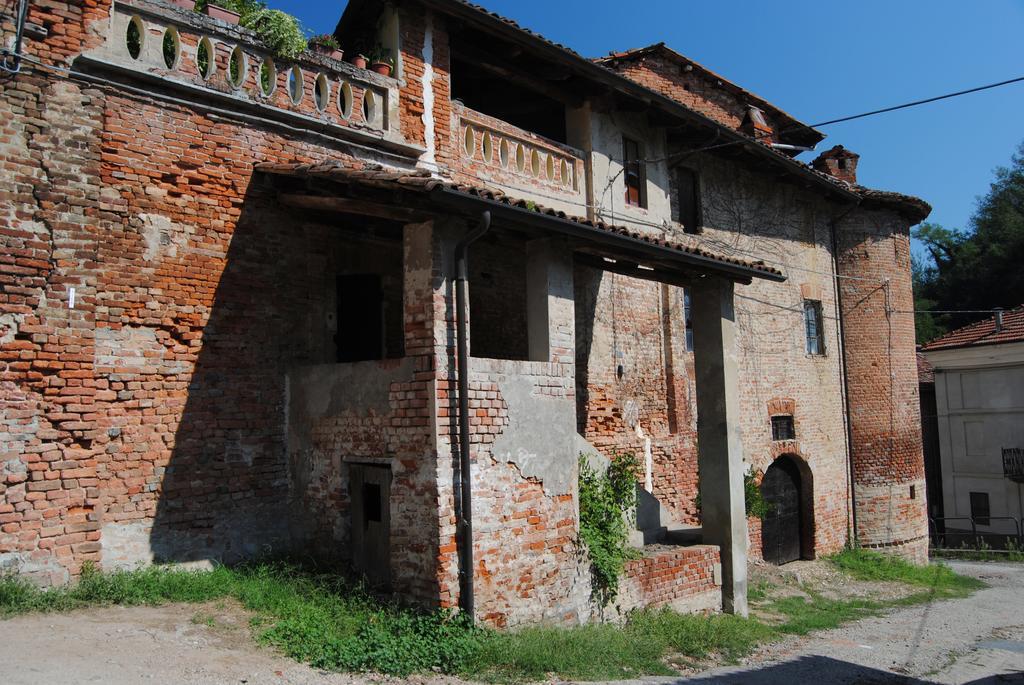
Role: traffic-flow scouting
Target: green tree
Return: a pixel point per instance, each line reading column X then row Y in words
column 979, row 269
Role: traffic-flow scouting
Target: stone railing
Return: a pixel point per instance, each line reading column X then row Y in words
column 491, row 150
column 158, row 42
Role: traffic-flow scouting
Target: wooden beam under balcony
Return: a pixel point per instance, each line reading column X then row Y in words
column 345, row 205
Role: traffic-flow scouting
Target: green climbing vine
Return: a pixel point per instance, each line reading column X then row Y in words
column 607, row 503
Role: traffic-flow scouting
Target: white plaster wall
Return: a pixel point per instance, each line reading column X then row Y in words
column 981, row 411
column 609, row 187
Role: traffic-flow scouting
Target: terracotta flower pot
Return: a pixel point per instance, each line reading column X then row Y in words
column 222, row 13
column 359, row 61
column 382, row 68
column 187, row 5
column 333, row 53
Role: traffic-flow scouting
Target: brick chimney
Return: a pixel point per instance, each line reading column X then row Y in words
column 838, row 162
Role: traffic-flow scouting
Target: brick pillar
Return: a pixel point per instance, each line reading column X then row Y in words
column 550, row 315
column 719, row 444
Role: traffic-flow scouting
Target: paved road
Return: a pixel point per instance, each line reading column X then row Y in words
column 977, row 640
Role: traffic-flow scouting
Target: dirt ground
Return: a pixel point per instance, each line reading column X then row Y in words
column 957, row 641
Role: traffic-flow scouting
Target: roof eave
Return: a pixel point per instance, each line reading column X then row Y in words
column 511, row 214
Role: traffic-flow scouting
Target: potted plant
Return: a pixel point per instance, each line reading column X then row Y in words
column 327, row 44
column 381, row 62
column 222, row 13
column 359, row 61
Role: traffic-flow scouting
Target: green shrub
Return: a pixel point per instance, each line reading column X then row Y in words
column 605, row 501
column 280, row 32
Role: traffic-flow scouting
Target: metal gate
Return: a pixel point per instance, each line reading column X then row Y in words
column 780, row 529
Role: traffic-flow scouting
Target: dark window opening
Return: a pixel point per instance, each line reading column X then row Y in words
column 783, row 428
column 488, row 93
column 361, row 329
column 688, row 319
column 497, row 297
column 814, row 329
column 688, row 195
column 913, row 492
column 980, row 511
column 842, row 163
column 633, row 171
column 372, row 507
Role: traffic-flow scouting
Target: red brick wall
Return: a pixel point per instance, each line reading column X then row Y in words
column 684, row 578
column 885, row 414
column 694, row 89
column 192, row 286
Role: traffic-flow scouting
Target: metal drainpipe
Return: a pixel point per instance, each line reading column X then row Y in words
column 11, row 61
column 465, row 522
column 833, row 222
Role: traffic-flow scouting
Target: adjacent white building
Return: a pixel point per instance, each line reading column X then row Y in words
column 979, row 389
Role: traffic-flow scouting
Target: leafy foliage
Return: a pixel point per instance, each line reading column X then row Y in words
column 976, row 269
column 324, row 41
column 280, row 32
column 606, row 499
column 754, row 503
column 753, row 500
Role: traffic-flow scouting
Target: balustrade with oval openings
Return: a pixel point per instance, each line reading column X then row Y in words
column 503, row 153
column 322, row 92
column 171, row 48
column 206, row 58
column 229, row 62
column 487, row 146
column 345, row 100
column 296, row 87
column 238, row 67
column 268, row 77
column 135, row 37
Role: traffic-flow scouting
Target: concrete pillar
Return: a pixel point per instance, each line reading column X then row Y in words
column 720, row 449
column 550, row 313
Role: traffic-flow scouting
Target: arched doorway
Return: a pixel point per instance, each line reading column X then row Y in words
column 782, row 529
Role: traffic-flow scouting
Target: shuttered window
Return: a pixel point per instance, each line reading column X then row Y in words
column 633, row 170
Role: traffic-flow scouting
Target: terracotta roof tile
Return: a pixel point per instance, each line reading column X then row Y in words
column 983, row 332
column 420, row 179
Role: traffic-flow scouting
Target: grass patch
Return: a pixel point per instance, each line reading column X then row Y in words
column 323, row 619
column 803, row 615
column 940, row 580
column 606, row 652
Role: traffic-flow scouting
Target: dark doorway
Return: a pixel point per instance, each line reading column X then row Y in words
column 370, row 491
column 781, row 528
column 360, row 334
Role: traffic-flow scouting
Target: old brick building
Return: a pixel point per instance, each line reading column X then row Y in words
column 230, row 313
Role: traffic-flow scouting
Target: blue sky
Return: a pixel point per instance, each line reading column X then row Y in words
column 820, row 60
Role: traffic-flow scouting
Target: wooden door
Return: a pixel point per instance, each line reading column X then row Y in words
column 780, row 529
column 370, row 493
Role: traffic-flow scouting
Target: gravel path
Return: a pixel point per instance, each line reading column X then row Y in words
column 979, row 639
column 975, row 640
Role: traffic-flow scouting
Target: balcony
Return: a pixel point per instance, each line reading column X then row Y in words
column 226, row 69
column 517, row 162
